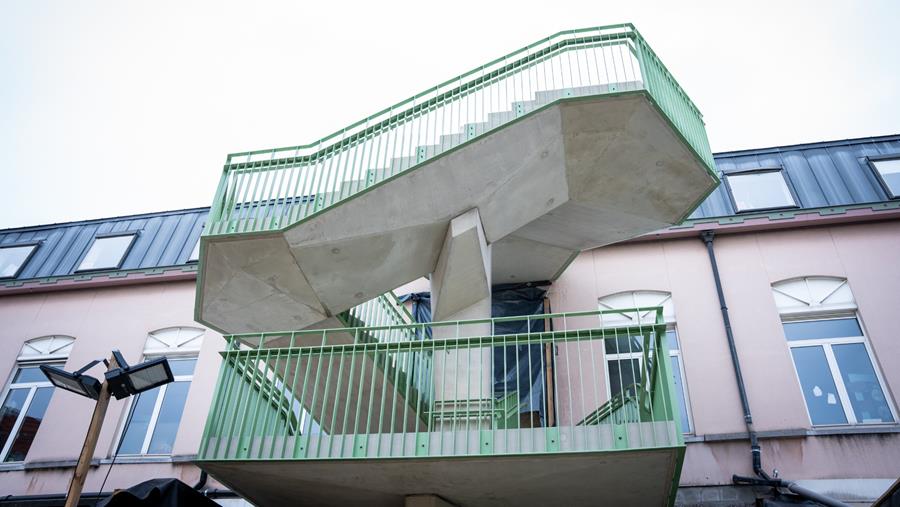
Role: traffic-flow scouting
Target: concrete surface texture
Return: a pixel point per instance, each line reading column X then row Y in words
column 633, row 478
column 576, row 175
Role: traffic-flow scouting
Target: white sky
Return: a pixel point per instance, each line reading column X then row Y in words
column 112, row 108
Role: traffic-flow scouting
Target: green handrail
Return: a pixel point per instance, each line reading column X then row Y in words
column 365, row 398
column 268, row 190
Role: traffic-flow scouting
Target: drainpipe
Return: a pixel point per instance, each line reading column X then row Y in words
column 762, row 478
column 202, row 482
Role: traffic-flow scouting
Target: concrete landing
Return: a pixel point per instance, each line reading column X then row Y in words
column 577, row 174
column 634, row 478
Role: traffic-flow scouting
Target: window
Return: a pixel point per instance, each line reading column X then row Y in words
column 153, row 418
column 28, row 395
column 888, row 171
column 831, row 356
column 106, row 252
column 13, row 259
column 195, row 253
column 760, row 190
column 624, row 354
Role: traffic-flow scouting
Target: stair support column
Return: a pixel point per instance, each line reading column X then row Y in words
column 461, row 290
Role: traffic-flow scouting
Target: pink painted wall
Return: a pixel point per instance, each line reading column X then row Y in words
column 865, row 254
column 100, row 320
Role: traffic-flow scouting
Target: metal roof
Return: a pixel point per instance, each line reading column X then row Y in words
column 833, row 173
column 163, row 239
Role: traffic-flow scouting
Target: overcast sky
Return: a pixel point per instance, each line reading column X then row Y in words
column 112, row 108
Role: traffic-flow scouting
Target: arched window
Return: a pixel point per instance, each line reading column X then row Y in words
column 624, row 355
column 153, row 418
column 28, row 395
column 830, row 351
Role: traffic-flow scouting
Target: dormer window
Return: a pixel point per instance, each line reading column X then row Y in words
column 107, row 252
column 195, row 253
column 888, row 171
column 13, row 259
column 760, row 190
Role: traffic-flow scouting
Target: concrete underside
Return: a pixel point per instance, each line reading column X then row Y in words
column 634, row 478
column 576, row 175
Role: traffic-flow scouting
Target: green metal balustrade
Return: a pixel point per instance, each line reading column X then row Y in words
column 271, row 190
column 393, row 391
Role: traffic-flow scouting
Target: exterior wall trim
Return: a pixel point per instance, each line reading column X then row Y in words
column 790, row 219
column 796, row 433
column 97, row 280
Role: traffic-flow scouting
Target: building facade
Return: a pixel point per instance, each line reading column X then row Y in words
column 634, row 373
column 811, row 290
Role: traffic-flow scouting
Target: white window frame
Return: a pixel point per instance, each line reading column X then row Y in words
column 195, row 253
column 184, row 343
column 32, row 389
column 731, row 176
column 873, row 162
column 50, row 350
column 28, row 256
column 674, row 355
column 157, row 406
column 826, row 344
column 101, row 237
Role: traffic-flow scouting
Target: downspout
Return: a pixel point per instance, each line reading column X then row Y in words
column 762, row 478
column 202, row 481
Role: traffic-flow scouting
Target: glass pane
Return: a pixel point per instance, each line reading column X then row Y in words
column 679, row 391
column 29, row 374
column 182, row 366
column 818, row 386
column 10, row 411
column 11, row 259
column 672, row 339
column 760, row 190
column 833, row 328
column 624, row 372
column 168, row 419
column 866, row 396
column 195, row 253
column 33, row 417
column 106, row 252
column 890, row 173
column 141, row 411
column 624, row 344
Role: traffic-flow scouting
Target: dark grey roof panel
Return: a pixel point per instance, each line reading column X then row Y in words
column 835, row 173
column 163, row 239
column 823, row 174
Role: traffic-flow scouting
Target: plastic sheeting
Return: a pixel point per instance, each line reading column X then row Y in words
column 516, row 369
column 158, row 493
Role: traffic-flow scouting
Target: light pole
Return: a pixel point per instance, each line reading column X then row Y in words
column 121, row 381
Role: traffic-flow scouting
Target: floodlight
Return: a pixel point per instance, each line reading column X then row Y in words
column 126, row 380
column 77, row 383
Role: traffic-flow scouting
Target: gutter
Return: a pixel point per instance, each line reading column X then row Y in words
column 762, row 478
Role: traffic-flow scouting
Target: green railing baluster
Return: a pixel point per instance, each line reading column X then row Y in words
column 257, row 400
column 251, row 183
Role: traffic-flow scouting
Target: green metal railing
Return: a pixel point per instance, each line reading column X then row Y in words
column 393, row 392
column 273, row 189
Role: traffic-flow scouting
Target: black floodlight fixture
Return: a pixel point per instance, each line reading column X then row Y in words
column 76, row 382
column 125, row 380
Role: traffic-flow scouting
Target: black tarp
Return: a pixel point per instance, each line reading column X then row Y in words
column 519, row 368
column 158, row 493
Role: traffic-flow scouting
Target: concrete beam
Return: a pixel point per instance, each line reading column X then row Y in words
column 462, row 274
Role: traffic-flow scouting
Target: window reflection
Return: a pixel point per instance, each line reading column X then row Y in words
column 818, row 387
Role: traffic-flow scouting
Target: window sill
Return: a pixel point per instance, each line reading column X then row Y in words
column 822, row 431
column 149, row 458
column 121, row 460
